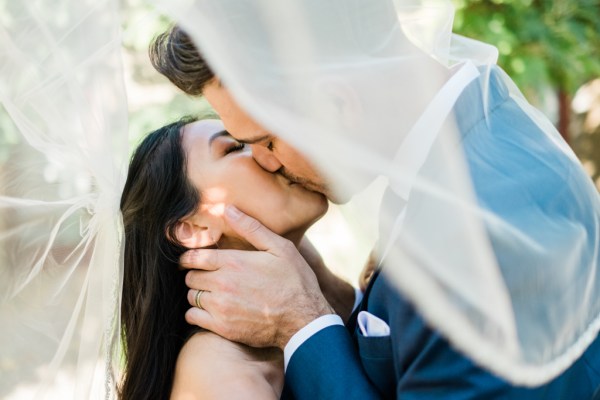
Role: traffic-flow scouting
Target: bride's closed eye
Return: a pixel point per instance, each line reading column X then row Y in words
column 234, row 147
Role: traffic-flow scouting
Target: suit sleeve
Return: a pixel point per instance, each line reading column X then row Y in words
column 327, row 366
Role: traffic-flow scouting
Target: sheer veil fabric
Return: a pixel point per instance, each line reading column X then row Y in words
column 62, row 153
column 366, row 90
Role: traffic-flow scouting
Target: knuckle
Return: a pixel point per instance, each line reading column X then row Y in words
column 287, row 246
column 236, row 263
column 229, row 332
column 190, row 257
column 224, row 285
column 219, row 305
column 225, row 331
column 252, row 225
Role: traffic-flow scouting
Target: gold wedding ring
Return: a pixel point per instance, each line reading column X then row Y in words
column 198, row 304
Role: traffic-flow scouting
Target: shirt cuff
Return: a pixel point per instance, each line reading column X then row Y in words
column 358, row 296
column 306, row 333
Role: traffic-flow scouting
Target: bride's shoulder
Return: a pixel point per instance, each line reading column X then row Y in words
column 205, row 343
column 204, row 351
column 210, row 366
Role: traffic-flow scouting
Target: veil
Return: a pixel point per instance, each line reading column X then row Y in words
column 62, row 153
column 383, row 89
column 366, row 89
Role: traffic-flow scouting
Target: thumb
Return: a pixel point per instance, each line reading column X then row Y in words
column 258, row 235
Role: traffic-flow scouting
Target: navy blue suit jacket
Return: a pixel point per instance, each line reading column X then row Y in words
column 415, row 361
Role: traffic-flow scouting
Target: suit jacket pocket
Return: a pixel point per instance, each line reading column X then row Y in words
column 378, row 362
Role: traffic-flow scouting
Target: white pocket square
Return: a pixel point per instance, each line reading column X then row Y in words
column 372, row 326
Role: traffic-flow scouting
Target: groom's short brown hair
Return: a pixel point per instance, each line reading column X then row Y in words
column 174, row 55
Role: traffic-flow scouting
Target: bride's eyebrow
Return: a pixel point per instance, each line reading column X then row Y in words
column 217, row 135
column 256, row 139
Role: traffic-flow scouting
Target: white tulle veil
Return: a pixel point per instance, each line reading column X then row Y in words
column 62, row 153
column 364, row 88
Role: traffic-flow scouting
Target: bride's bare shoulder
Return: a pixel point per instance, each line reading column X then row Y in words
column 206, row 343
column 211, row 367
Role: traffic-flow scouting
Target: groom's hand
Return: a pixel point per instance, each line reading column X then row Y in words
column 339, row 293
column 261, row 298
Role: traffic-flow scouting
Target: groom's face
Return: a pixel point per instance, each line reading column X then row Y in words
column 270, row 152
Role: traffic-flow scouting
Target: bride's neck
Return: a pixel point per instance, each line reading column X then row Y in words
column 240, row 244
column 296, row 236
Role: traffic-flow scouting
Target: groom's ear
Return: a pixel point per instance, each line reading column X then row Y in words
column 194, row 232
column 342, row 100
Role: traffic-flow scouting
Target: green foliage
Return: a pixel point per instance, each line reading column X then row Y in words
column 541, row 42
column 153, row 101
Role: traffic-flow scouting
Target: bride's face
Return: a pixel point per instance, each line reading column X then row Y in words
column 224, row 172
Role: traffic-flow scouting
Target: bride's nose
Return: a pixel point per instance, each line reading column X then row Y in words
column 265, row 158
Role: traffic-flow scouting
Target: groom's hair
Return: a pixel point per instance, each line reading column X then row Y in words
column 174, row 55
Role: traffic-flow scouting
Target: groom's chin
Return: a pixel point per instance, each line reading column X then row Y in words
column 338, row 195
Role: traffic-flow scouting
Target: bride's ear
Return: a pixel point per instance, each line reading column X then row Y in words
column 194, row 232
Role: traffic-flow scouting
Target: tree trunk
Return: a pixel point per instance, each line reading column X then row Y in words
column 564, row 114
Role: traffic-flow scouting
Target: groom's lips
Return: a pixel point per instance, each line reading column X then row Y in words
column 292, row 180
column 295, row 181
column 285, row 179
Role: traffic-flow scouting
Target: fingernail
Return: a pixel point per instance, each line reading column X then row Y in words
column 233, row 212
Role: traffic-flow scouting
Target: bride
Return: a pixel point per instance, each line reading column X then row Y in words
column 179, row 179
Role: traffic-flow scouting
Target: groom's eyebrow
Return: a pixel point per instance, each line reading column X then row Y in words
column 217, row 135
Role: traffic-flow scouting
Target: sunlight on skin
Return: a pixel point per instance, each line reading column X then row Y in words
column 213, row 201
column 213, row 196
column 216, row 209
column 333, row 236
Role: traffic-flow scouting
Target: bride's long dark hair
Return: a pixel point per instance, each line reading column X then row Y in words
column 157, row 194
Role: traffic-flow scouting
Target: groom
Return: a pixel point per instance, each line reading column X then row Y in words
column 249, row 300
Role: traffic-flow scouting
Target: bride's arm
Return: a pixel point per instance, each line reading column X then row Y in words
column 210, row 367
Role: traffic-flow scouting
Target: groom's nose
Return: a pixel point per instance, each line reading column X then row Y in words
column 265, row 158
